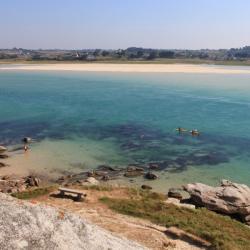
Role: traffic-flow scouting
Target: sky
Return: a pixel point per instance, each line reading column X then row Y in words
column 113, row 24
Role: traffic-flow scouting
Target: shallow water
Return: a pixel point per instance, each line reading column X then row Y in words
column 81, row 120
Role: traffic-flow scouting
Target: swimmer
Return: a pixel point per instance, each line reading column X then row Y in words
column 195, row 132
column 181, row 130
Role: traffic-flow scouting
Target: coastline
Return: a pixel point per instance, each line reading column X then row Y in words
column 101, row 199
column 131, row 68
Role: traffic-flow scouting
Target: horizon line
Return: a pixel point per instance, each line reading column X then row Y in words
column 138, row 47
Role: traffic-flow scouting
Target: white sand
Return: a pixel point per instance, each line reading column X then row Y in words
column 143, row 68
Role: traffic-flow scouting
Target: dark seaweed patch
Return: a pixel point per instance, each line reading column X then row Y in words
column 141, row 144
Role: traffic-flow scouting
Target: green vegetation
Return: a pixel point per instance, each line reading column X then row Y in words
column 34, row 193
column 126, row 61
column 97, row 187
column 235, row 56
column 222, row 232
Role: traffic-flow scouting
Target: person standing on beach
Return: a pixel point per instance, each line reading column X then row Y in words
column 25, row 147
column 26, row 140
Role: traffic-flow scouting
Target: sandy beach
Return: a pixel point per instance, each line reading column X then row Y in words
column 140, row 68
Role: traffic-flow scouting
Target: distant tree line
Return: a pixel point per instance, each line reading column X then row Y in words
column 239, row 53
column 132, row 53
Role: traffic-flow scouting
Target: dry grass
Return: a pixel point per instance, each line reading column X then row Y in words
column 222, row 232
column 34, row 193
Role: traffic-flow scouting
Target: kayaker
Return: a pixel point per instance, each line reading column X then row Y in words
column 195, row 132
column 181, row 130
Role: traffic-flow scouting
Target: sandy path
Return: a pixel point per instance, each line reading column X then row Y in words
column 141, row 231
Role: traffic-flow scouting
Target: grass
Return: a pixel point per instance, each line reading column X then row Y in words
column 34, row 193
column 122, row 61
column 97, row 187
column 222, row 232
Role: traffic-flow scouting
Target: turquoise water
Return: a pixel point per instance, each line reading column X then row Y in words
column 82, row 120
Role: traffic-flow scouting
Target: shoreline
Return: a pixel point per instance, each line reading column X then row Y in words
column 131, row 68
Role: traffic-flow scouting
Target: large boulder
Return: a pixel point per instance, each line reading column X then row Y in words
column 229, row 198
column 24, row 225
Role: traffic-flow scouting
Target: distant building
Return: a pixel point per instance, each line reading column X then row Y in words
column 91, row 58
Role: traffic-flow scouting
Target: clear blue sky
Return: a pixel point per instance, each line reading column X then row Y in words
column 76, row 24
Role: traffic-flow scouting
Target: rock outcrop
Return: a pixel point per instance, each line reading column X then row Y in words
column 32, row 226
column 133, row 171
column 92, row 181
column 32, row 181
column 146, row 187
column 178, row 203
column 15, row 184
column 230, row 198
column 174, row 193
column 3, row 156
column 151, row 176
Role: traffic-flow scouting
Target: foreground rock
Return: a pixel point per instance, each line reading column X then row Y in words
column 27, row 226
column 230, row 198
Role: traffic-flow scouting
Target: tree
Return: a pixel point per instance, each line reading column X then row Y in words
column 152, row 55
column 139, row 54
column 105, row 53
column 96, row 52
column 166, row 54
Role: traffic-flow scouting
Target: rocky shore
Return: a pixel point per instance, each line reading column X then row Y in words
column 105, row 173
column 229, row 198
column 3, row 156
column 15, row 184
